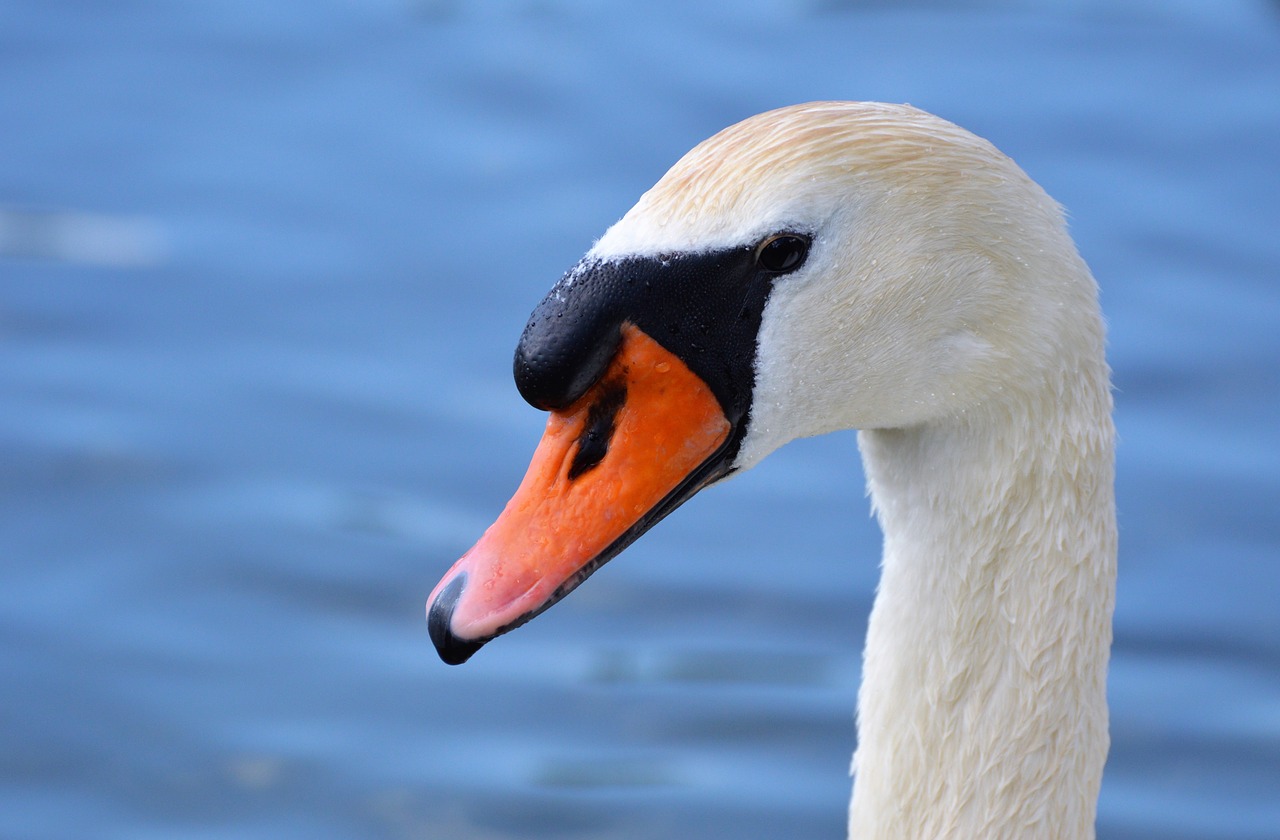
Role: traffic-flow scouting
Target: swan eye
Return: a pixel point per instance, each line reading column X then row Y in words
column 782, row 252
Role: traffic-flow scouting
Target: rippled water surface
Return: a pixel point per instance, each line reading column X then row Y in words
column 262, row 266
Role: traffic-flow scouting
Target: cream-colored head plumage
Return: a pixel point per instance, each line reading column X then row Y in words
column 933, row 283
column 790, row 168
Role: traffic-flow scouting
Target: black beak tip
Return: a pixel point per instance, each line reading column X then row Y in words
column 452, row 649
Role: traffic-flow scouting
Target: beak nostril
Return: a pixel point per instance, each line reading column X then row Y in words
column 593, row 443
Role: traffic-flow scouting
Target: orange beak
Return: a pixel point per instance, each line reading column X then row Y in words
column 643, row 438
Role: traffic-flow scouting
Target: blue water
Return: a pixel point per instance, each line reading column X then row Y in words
column 262, row 267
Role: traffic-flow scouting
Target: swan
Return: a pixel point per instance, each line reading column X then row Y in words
column 840, row 265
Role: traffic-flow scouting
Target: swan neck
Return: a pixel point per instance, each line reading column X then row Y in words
column 982, row 711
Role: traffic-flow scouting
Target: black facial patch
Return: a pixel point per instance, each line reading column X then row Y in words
column 593, row 443
column 704, row 307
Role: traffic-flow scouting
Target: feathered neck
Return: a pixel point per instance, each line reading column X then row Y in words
column 982, row 712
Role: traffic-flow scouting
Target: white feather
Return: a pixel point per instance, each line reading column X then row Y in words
column 943, row 311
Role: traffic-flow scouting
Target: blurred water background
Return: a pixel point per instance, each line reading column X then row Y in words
column 262, row 267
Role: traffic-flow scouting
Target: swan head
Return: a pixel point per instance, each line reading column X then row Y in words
column 819, row 267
